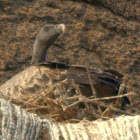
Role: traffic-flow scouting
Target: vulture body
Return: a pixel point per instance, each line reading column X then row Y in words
column 31, row 81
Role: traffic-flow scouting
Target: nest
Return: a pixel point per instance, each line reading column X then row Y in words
column 64, row 101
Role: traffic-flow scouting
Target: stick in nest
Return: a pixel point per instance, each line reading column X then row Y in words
column 113, row 97
column 92, row 88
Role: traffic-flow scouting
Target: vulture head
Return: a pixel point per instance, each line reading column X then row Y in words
column 44, row 40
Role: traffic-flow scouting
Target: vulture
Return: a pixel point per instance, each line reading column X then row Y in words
column 42, row 73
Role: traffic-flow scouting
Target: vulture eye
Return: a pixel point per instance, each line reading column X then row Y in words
column 46, row 29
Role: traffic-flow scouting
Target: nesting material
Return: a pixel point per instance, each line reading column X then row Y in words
column 51, row 93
